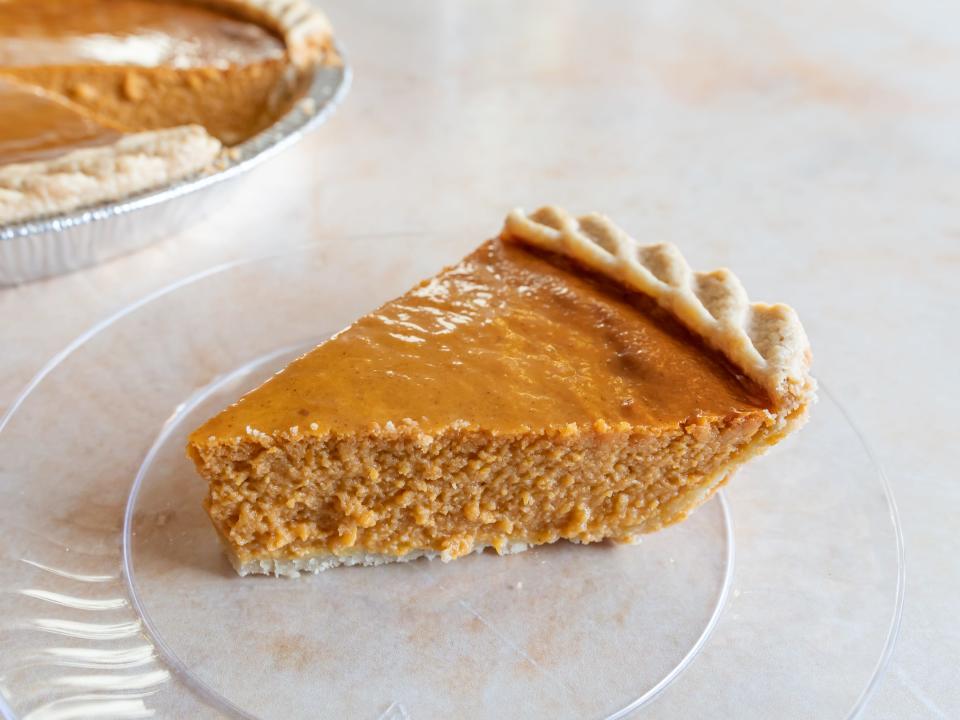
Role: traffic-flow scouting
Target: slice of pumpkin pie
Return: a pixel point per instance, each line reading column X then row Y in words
column 561, row 382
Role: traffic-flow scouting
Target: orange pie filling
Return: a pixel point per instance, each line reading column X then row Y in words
column 134, row 65
column 507, row 401
column 35, row 125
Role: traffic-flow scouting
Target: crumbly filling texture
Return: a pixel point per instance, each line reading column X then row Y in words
column 397, row 490
column 232, row 103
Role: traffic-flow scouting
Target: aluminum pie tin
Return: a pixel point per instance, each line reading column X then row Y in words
column 56, row 244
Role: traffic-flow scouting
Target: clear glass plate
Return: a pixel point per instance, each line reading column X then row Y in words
column 780, row 597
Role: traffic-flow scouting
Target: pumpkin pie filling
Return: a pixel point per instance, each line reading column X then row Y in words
column 129, row 32
column 151, row 64
column 516, row 398
column 519, row 341
column 36, row 125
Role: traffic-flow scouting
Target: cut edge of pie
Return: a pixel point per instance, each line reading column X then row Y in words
column 255, row 474
column 140, row 161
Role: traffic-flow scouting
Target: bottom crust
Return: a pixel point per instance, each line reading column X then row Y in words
column 313, row 564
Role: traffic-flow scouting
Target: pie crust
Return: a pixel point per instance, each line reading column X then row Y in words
column 132, row 164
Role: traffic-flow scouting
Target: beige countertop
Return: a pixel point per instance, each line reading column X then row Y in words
column 814, row 149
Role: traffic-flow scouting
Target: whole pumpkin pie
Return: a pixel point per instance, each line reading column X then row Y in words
column 105, row 98
column 561, row 382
